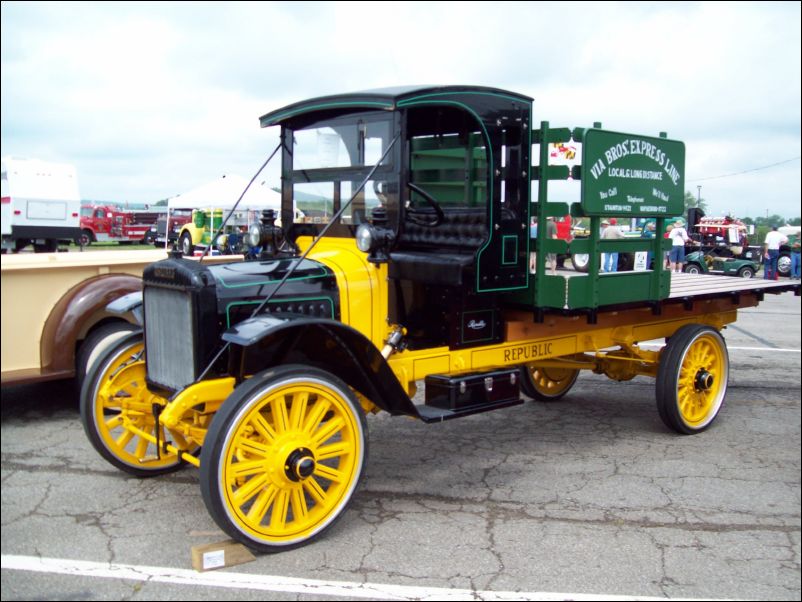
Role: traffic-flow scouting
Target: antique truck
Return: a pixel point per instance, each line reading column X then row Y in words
column 414, row 274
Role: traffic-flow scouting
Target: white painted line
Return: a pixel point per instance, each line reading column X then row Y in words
column 310, row 587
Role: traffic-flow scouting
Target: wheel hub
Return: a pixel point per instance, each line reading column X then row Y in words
column 300, row 464
column 704, row 381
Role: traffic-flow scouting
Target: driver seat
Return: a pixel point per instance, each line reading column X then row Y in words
column 444, row 254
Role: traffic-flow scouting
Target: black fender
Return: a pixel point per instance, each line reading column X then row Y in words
column 327, row 344
column 130, row 303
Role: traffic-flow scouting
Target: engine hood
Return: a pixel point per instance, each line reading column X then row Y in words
column 310, row 291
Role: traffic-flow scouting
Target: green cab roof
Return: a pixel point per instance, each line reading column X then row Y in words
column 387, row 99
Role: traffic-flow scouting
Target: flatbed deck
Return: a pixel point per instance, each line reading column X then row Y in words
column 580, row 291
column 686, row 285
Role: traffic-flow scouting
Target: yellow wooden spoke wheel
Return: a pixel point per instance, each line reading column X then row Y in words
column 692, row 378
column 547, row 384
column 284, row 455
column 115, row 405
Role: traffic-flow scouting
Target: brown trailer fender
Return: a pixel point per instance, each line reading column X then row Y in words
column 76, row 312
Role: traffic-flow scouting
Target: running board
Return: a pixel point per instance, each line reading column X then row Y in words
column 431, row 414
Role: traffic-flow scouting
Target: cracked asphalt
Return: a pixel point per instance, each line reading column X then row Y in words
column 589, row 495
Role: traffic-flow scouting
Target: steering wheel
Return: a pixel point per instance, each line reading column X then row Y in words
column 416, row 216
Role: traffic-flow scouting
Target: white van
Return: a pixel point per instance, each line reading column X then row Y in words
column 40, row 204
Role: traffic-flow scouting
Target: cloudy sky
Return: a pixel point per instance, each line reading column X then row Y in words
column 149, row 100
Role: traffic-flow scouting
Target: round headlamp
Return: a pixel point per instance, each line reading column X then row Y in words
column 365, row 237
column 254, row 238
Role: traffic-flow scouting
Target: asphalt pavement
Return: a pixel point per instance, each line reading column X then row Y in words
column 586, row 498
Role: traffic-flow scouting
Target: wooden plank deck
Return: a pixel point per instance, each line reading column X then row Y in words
column 691, row 285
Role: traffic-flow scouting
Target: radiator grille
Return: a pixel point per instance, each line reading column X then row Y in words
column 169, row 337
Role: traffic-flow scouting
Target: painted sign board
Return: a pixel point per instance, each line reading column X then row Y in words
column 632, row 175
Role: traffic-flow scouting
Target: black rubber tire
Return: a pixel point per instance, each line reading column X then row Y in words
column 230, row 425
column 185, row 244
column 679, row 372
column 746, row 272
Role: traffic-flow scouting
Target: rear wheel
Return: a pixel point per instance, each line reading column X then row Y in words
column 284, row 456
column 547, row 384
column 692, row 378
column 692, row 268
column 746, row 272
column 86, row 238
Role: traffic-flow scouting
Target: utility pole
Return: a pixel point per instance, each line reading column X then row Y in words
column 698, row 194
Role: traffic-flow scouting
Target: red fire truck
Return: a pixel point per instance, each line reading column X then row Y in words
column 104, row 223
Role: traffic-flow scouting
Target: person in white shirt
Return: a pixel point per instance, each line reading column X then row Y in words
column 679, row 236
column 772, row 252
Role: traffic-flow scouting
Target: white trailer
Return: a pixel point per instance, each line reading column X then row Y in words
column 41, row 204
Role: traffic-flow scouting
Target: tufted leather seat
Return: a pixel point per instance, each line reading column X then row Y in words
column 442, row 254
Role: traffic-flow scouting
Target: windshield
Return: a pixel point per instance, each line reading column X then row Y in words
column 330, row 159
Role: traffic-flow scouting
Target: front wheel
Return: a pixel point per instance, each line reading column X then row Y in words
column 692, row 378
column 746, row 272
column 547, row 384
column 692, row 268
column 114, row 401
column 187, row 248
column 283, row 457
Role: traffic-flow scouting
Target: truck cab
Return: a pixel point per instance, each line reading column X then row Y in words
column 451, row 186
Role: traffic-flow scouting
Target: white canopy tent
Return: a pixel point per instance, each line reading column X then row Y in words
column 222, row 193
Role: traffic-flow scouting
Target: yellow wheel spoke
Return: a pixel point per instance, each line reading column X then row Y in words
column 333, row 450
column 280, row 419
column 263, row 427
column 124, row 439
column 316, row 415
column 299, row 507
column 142, row 445
column 262, row 503
column 249, row 489
column 329, row 473
column 241, row 470
column 298, row 410
column 251, row 446
column 278, row 519
column 327, row 432
column 312, row 487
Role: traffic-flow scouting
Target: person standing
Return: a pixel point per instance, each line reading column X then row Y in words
column 648, row 232
column 772, row 252
column 679, row 236
column 532, row 243
column 551, row 258
column 611, row 232
column 795, row 259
